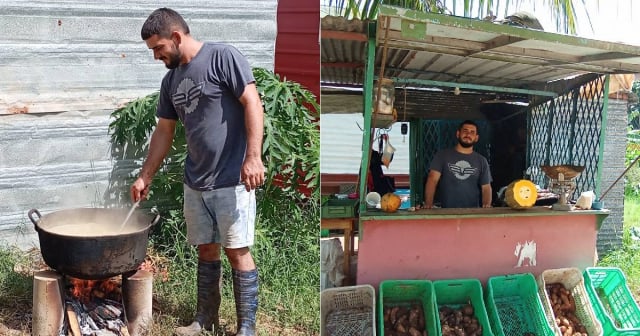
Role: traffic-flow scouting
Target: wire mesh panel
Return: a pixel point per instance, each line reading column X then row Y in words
column 566, row 131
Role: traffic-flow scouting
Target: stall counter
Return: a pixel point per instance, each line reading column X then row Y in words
column 474, row 243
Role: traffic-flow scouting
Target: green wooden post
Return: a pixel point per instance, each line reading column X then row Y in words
column 414, row 160
column 368, row 105
column 572, row 122
column 552, row 110
column 529, row 142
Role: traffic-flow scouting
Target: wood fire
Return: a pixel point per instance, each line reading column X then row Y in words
column 94, row 306
column 65, row 306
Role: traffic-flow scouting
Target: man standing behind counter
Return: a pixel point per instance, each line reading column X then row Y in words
column 463, row 174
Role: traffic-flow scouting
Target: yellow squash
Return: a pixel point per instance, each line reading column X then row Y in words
column 521, row 194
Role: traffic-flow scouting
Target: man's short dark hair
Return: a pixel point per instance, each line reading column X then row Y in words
column 468, row 122
column 162, row 22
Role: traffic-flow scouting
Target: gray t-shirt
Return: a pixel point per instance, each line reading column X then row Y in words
column 461, row 178
column 204, row 94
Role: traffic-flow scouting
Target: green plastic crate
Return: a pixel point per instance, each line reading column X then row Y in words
column 514, row 307
column 458, row 292
column 339, row 208
column 408, row 292
column 608, row 286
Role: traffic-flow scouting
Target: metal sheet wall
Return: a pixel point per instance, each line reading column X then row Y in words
column 66, row 65
column 298, row 44
column 341, row 149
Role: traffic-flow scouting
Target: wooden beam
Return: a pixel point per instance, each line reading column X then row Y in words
column 343, row 35
column 501, row 41
column 342, row 65
column 605, row 57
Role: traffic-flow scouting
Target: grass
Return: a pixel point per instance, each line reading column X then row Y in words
column 287, row 254
column 627, row 258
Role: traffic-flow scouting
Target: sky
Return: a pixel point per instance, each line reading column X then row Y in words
column 611, row 20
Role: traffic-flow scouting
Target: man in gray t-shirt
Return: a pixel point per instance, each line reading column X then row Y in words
column 210, row 89
column 461, row 175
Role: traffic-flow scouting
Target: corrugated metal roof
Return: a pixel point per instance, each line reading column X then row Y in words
column 434, row 50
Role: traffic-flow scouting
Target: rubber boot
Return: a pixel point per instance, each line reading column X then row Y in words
column 245, row 291
column 209, row 285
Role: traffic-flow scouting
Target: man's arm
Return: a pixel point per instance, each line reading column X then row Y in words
column 252, row 173
column 486, row 195
column 161, row 140
column 430, row 188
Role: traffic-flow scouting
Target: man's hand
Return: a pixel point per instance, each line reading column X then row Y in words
column 139, row 190
column 252, row 173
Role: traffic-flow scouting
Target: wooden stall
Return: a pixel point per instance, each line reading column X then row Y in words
column 540, row 99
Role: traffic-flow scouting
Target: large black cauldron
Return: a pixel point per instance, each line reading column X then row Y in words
column 90, row 243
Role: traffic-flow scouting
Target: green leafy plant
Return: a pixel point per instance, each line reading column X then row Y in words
column 632, row 178
column 291, row 146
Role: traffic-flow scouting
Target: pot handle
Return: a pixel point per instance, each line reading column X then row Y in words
column 155, row 219
column 33, row 220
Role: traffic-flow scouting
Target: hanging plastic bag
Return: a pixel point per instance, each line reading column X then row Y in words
column 387, row 152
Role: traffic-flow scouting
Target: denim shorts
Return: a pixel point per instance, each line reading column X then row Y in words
column 223, row 216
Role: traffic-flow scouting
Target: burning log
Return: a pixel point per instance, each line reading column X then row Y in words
column 74, row 324
column 92, row 307
column 91, row 313
column 99, row 321
column 114, row 307
column 105, row 313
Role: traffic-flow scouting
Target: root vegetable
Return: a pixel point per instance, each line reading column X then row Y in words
column 459, row 322
column 404, row 320
column 414, row 332
column 393, row 315
column 467, row 310
column 413, row 317
column 563, row 305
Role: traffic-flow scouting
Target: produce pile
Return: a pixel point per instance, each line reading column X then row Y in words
column 459, row 322
column 402, row 320
column 563, row 305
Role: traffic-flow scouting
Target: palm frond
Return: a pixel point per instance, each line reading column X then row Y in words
column 563, row 12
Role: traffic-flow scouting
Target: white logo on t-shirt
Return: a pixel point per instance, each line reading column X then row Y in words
column 462, row 169
column 187, row 95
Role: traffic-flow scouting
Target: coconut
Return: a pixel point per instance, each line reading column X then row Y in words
column 390, row 202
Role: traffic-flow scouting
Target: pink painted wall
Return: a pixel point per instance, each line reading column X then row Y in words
column 472, row 247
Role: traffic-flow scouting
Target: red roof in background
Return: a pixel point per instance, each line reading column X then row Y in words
column 297, row 55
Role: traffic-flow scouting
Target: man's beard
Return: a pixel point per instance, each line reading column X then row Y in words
column 174, row 58
column 174, row 61
column 465, row 144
